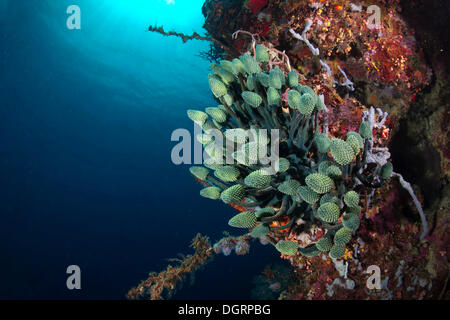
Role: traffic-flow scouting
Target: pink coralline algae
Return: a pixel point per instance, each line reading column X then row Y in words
column 385, row 221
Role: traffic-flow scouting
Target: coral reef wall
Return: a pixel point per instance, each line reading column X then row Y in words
column 402, row 66
column 373, row 61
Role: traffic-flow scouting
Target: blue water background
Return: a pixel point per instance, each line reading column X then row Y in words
column 85, row 170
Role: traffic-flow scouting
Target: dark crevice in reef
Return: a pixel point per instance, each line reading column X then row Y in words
column 429, row 18
column 413, row 153
column 417, row 161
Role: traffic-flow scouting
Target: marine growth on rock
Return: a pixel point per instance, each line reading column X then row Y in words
column 312, row 177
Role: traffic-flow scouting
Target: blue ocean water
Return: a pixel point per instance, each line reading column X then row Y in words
column 85, row 170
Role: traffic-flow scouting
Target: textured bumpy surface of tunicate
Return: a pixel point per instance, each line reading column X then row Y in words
column 308, row 195
column 226, row 76
column 323, row 142
column 263, row 79
column 243, row 220
column 386, row 170
column 199, row 117
column 357, row 136
column 288, row 248
column 353, row 210
column 351, row 221
column 329, row 212
column 351, row 199
column 329, row 197
column 252, row 98
column 199, row 172
column 324, row 244
column 217, row 87
column 258, row 179
column 293, row 98
column 307, row 103
column 273, row 97
column 283, row 164
column 261, row 53
column 323, row 166
column 227, row 65
column 319, row 183
column 364, row 130
column 234, row 194
column 260, row 231
column 227, row 173
column 293, row 79
column 341, row 151
column 274, row 79
column 211, row 193
column 280, row 160
column 334, row 171
column 238, row 67
column 289, row 187
column 337, row 251
column 251, row 66
column 251, row 82
column 342, row 236
column 217, row 114
column 354, row 143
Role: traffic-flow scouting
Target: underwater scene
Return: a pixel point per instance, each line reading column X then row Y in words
column 224, row 150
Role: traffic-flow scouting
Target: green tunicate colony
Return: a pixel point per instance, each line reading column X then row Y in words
column 316, row 173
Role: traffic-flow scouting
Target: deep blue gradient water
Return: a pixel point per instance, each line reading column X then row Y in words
column 85, row 171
